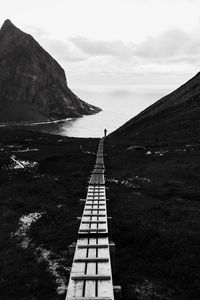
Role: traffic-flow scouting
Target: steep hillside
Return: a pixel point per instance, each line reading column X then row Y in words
column 175, row 117
column 153, row 169
column 33, row 85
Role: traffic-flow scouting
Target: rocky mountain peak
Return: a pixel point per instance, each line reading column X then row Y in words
column 8, row 24
column 33, row 86
column 8, row 27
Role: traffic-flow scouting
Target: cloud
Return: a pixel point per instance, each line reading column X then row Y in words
column 163, row 59
column 168, row 44
column 64, row 50
column 35, row 31
column 101, row 48
column 173, row 45
column 61, row 50
column 175, row 52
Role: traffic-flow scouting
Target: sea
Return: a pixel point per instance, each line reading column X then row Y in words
column 118, row 104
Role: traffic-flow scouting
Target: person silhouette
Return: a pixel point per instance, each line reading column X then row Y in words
column 105, row 132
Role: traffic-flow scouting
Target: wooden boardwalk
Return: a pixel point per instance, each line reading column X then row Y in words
column 91, row 274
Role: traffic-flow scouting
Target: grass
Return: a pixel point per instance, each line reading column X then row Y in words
column 156, row 218
column 54, row 187
column 155, row 208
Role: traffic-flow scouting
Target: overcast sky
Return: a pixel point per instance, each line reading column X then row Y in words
column 115, row 42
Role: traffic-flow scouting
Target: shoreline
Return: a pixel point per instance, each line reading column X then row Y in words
column 34, row 123
column 31, row 123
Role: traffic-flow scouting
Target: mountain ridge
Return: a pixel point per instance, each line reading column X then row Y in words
column 175, row 112
column 33, row 86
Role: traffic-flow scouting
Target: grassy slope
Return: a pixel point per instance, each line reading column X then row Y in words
column 60, row 179
column 156, row 223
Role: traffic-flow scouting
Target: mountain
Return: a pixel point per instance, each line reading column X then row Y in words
column 173, row 118
column 33, row 85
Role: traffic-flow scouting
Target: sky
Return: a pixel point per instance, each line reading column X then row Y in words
column 142, row 43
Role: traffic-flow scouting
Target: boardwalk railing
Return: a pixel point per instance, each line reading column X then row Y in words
column 91, row 274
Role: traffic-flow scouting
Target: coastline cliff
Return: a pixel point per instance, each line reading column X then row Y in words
column 33, row 86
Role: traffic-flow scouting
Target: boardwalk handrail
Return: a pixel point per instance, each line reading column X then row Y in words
column 91, row 274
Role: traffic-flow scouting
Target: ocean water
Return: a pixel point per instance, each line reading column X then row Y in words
column 118, row 104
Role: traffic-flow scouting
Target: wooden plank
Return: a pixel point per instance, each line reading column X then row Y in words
column 90, row 285
column 98, row 171
column 93, row 205
column 91, row 260
column 94, row 215
column 104, row 268
column 89, row 298
column 93, row 209
column 96, row 187
column 103, row 199
column 92, row 229
column 90, row 277
column 105, row 289
column 94, row 234
column 93, row 246
column 99, row 167
column 96, row 201
column 91, row 222
column 91, row 187
column 90, row 288
column 97, row 190
column 97, row 195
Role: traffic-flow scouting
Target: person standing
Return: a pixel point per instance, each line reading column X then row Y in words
column 105, row 132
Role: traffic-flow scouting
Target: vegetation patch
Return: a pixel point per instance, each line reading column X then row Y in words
column 33, row 255
column 154, row 202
